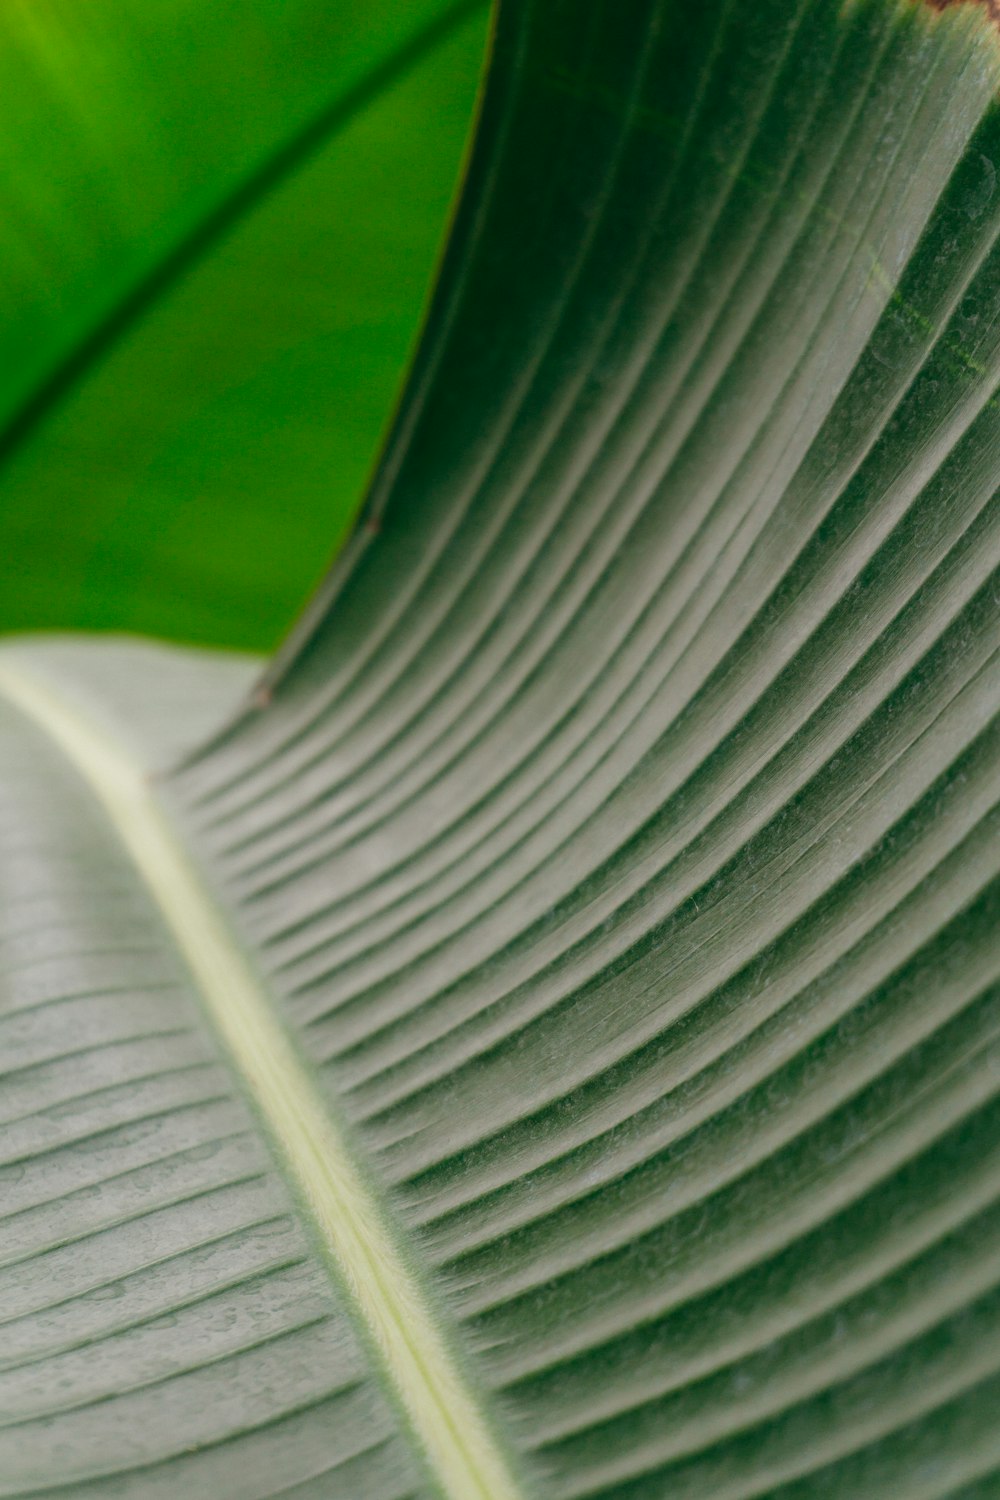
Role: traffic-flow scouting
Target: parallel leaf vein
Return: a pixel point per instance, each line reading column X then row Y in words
column 349, row 1224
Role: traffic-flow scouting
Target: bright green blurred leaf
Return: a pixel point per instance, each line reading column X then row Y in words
column 218, row 225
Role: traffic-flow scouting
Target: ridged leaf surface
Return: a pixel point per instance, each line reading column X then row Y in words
column 607, row 865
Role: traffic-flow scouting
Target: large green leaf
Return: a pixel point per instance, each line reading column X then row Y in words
column 546, row 1043
column 217, row 227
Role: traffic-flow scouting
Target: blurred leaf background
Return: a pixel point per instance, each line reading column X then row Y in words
column 218, row 226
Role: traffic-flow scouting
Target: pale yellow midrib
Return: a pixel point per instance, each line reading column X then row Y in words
column 445, row 1416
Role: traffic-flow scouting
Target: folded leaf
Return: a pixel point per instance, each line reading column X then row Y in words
column 607, row 868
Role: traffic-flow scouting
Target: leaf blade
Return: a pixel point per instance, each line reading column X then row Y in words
column 166, row 1326
column 604, row 768
column 618, row 832
column 353, row 1231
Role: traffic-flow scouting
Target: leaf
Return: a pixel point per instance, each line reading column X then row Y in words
column 605, row 872
column 218, row 231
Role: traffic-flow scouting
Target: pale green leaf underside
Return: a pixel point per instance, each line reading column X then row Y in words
column 617, row 835
column 349, row 1228
column 166, row 1329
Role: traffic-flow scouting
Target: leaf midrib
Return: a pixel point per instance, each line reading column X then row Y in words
column 349, row 1224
